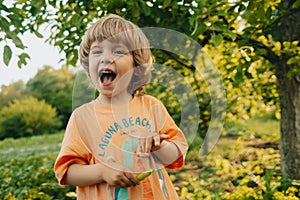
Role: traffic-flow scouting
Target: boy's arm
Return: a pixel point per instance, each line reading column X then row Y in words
column 84, row 175
column 170, row 148
column 168, row 153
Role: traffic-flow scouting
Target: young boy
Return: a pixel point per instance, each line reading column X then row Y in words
column 122, row 133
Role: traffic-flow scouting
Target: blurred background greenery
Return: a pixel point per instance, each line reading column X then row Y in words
column 253, row 44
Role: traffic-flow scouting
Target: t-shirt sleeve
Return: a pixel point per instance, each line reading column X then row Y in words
column 166, row 125
column 179, row 140
column 73, row 150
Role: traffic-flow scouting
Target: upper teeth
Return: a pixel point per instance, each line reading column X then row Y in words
column 107, row 75
column 105, row 72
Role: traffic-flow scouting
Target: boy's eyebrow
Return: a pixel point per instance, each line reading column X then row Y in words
column 116, row 45
column 95, row 46
column 119, row 45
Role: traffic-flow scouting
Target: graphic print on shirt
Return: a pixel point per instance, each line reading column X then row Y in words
column 123, row 137
column 117, row 193
column 129, row 145
column 126, row 126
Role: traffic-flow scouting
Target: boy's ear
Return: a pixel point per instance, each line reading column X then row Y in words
column 138, row 70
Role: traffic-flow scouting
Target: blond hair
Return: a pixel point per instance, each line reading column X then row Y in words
column 117, row 29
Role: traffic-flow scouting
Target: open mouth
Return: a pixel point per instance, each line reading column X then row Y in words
column 107, row 76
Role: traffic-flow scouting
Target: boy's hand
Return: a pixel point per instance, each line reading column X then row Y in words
column 117, row 178
column 150, row 143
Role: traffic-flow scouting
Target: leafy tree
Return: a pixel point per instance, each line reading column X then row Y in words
column 273, row 30
column 261, row 31
column 27, row 117
column 83, row 91
column 251, row 86
column 13, row 91
column 55, row 86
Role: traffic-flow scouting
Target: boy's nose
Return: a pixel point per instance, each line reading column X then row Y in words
column 106, row 60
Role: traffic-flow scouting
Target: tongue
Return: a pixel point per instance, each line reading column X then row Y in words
column 107, row 79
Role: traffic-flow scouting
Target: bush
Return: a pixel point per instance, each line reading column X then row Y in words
column 26, row 169
column 27, row 117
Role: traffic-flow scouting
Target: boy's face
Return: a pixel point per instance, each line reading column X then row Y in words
column 111, row 67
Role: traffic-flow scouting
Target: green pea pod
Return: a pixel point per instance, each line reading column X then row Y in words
column 143, row 175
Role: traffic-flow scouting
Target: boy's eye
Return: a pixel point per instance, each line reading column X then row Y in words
column 97, row 52
column 119, row 51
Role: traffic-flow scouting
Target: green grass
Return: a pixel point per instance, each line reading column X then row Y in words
column 266, row 128
column 27, row 142
column 26, row 168
column 40, row 144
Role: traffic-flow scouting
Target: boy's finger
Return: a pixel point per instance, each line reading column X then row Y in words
column 144, row 147
column 133, row 179
column 163, row 136
column 156, row 139
column 127, row 180
column 148, row 145
column 140, row 149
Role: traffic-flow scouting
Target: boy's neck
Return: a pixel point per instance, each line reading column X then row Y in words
column 114, row 100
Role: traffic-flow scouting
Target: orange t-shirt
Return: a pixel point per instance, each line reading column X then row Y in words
column 104, row 134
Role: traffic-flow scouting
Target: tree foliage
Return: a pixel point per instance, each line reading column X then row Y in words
column 251, row 86
column 251, row 29
column 11, row 92
column 27, row 117
column 55, row 86
column 245, row 22
column 83, row 90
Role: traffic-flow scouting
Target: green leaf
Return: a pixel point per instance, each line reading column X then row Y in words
column 136, row 12
column 219, row 26
column 17, row 41
column 130, row 3
column 74, row 18
column 3, row 7
column 33, row 11
column 23, row 57
column 146, row 9
column 216, row 39
column 198, row 26
column 7, row 55
column 19, row 63
column 166, row 3
column 239, row 75
column 260, row 51
column 38, row 34
column 292, row 72
column 21, row 1
column 296, row 4
column 230, row 35
column 4, row 25
column 293, row 60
